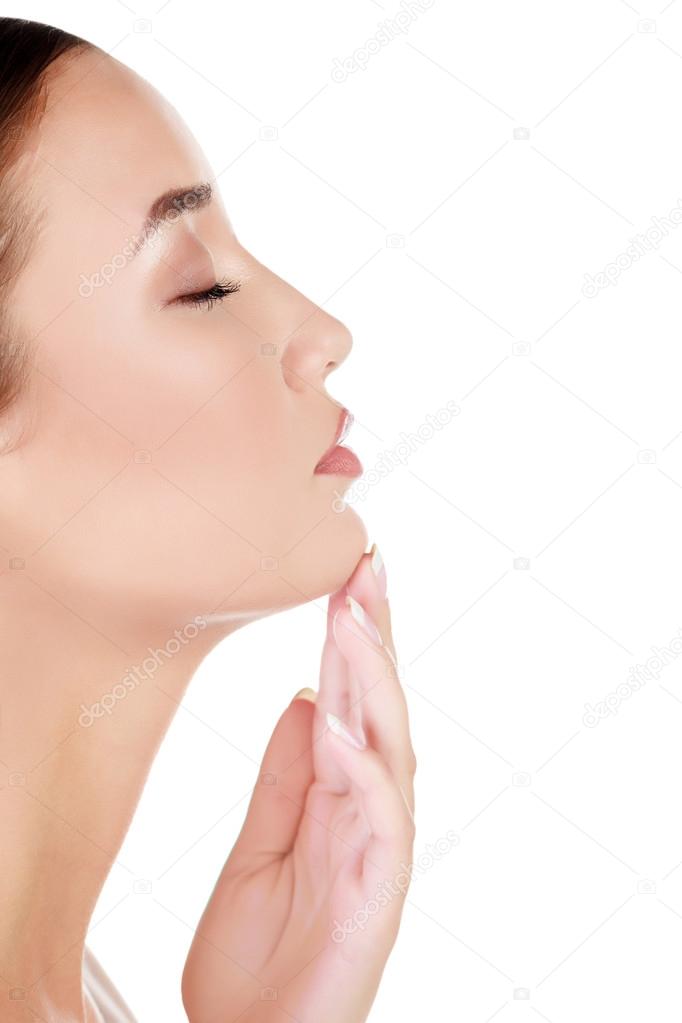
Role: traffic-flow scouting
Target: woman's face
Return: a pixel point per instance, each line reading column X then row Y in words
column 166, row 452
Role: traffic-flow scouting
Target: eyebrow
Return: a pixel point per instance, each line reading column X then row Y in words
column 178, row 201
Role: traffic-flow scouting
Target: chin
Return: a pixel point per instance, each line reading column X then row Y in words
column 322, row 563
column 344, row 546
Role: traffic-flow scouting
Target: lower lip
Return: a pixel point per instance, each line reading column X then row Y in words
column 340, row 461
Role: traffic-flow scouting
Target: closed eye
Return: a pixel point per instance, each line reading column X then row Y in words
column 216, row 293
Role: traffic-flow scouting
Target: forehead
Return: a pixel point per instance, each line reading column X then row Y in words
column 107, row 145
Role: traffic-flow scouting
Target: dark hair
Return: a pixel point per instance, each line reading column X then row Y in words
column 27, row 49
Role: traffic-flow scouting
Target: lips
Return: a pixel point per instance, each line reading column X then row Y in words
column 338, row 459
column 342, row 430
column 342, row 427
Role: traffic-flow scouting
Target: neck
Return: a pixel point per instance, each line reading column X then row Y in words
column 82, row 716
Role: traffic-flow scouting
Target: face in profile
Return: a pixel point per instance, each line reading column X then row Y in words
column 160, row 463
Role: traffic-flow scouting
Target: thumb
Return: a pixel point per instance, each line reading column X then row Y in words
column 278, row 798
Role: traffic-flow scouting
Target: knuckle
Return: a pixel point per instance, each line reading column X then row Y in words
column 411, row 762
column 410, row 831
column 403, row 833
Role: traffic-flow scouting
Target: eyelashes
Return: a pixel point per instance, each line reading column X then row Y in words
column 216, row 293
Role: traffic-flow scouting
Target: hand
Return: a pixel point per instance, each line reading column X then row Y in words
column 307, row 907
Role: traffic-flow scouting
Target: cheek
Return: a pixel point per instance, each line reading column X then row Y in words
column 239, row 432
column 238, row 457
column 146, row 375
column 165, row 533
column 171, row 460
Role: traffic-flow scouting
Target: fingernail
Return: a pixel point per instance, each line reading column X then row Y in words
column 362, row 618
column 305, row 694
column 338, row 728
column 378, row 567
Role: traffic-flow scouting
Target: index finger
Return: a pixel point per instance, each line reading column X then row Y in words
column 382, row 700
column 333, row 697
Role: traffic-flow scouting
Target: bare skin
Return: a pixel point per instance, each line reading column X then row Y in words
column 292, row 929
column 138, row 471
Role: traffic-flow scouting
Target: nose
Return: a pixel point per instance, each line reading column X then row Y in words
column 315, row 348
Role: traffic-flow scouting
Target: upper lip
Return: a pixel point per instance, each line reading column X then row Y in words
column 343, row 425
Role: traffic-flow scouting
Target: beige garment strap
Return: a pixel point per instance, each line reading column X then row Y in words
column 109, row 1002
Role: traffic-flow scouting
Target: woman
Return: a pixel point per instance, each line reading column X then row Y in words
column 169, row 468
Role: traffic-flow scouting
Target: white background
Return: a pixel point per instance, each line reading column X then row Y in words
column 407, row 201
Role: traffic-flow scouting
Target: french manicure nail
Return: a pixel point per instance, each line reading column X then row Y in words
column 378, row 567
column 338, row 728
column 305, row 694
column 336, row 615
column 362, row 618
